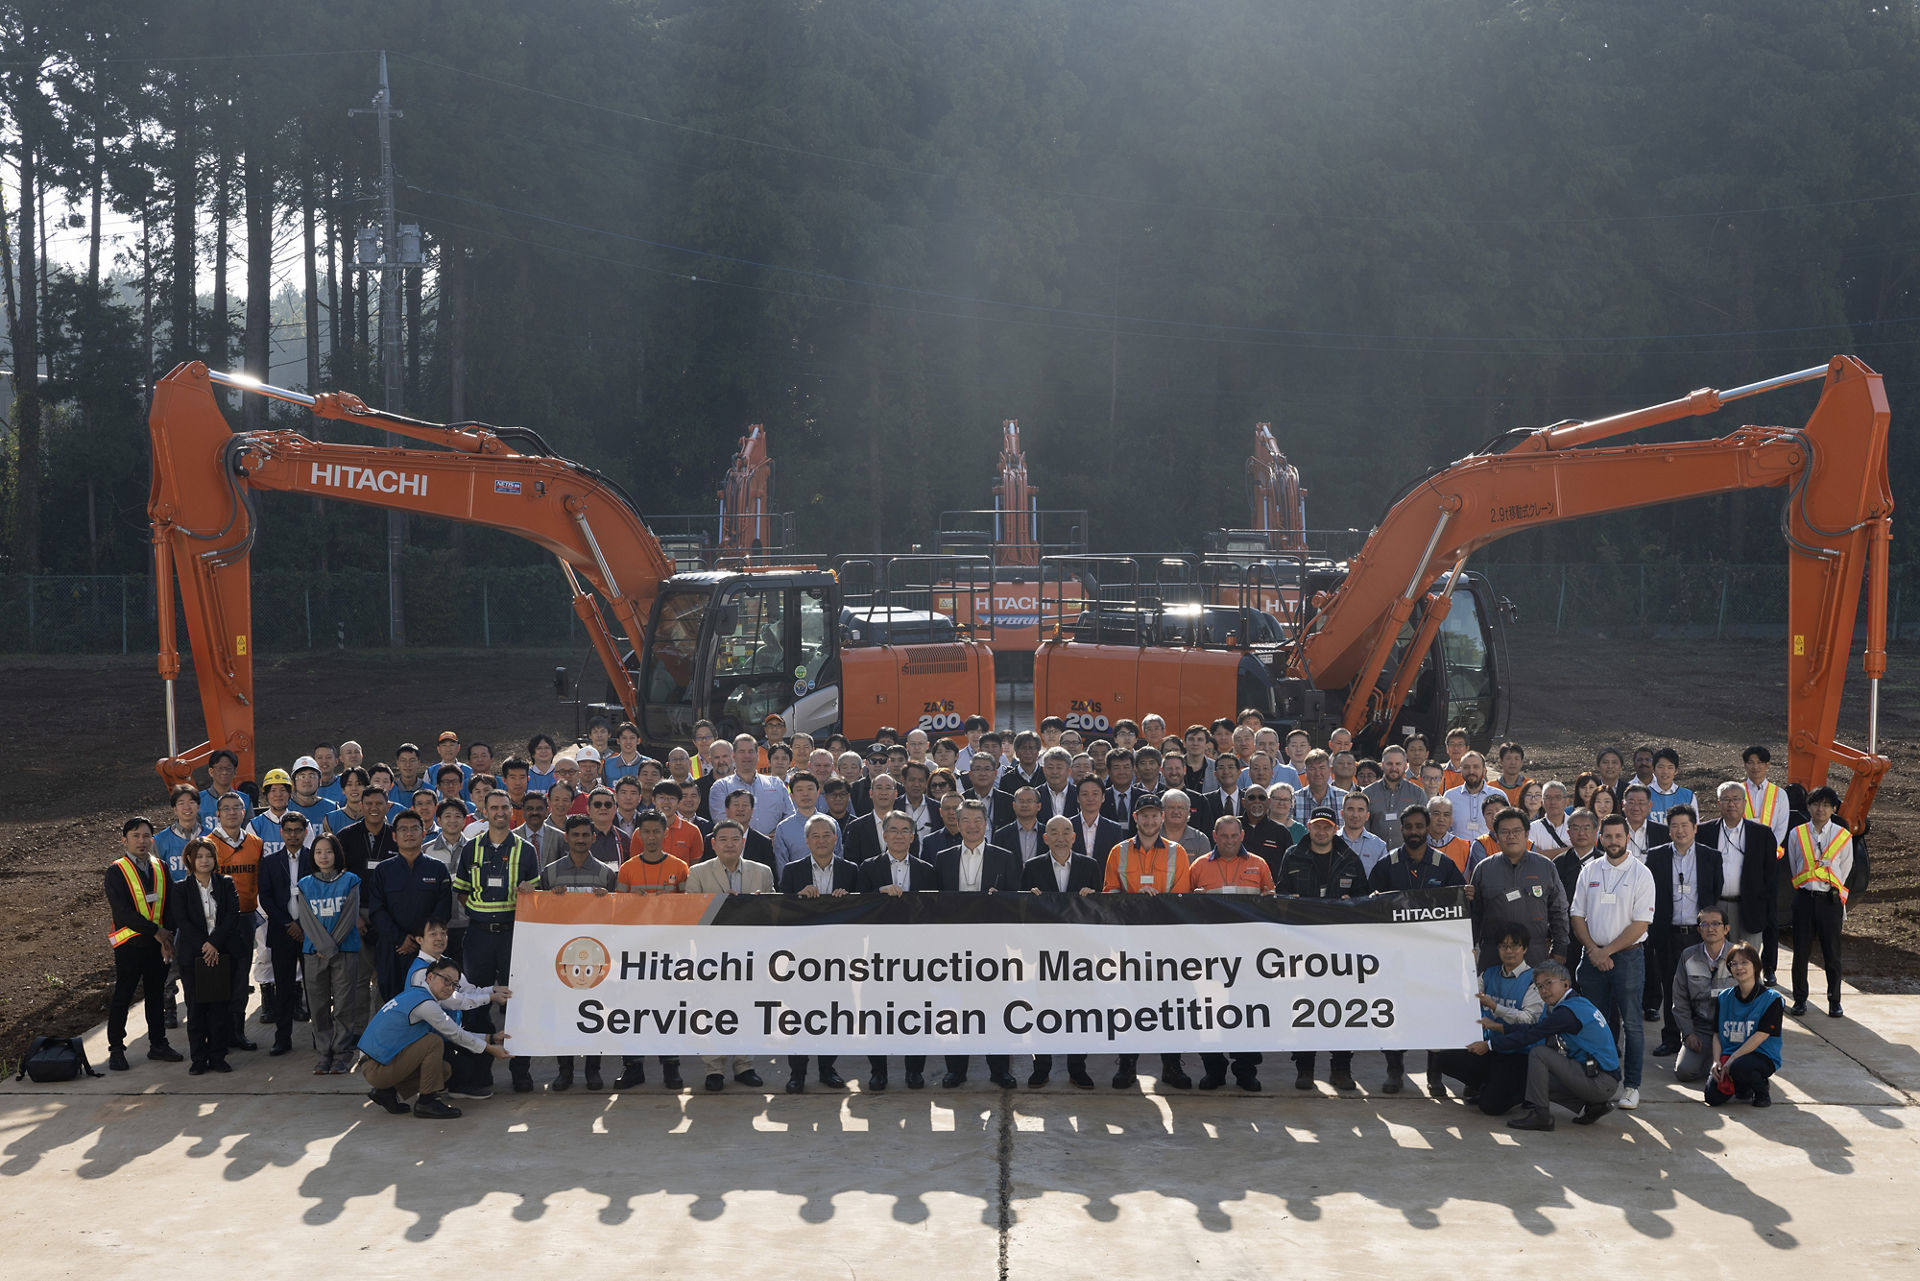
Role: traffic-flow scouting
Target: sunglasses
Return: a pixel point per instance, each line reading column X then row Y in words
column 600, row 805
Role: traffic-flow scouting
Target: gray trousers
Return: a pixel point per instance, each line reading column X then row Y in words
column 726, row 1064
column 1738, row 930
column 334, row 1000
column 1692, row 1065
column 1553, row 1077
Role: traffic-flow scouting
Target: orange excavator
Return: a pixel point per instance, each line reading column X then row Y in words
column 746, row 499
column 1399, row 636
column 725, row 646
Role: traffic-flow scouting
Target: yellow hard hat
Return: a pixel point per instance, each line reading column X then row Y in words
column 279, row 776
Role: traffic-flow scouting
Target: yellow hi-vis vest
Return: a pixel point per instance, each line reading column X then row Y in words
column 1771, row 799
column 154, row 911
column 1816, row 866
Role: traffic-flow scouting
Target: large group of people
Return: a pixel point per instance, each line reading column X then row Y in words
column 375, row 901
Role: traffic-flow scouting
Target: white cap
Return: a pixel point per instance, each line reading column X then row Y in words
column 588, row 753
column 306, row 762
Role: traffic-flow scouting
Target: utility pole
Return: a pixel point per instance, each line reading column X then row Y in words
column 390, row 249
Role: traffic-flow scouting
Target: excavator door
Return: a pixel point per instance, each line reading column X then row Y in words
column 1462, row 681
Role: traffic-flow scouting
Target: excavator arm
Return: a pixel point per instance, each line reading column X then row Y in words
column 201, row 506
column 1015, row 504
column 1277, row 502
column 746, row 499
column 1837, row 523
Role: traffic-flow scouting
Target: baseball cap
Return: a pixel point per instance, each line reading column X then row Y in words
column 773, row 716
column 1323, row 811
column 306, row 762
column 588, row 753
column 1147, row 802
column 447, row 736
column 279, row 776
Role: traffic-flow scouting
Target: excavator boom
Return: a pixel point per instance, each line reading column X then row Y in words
column 1837, row 525
column 1015, row 504
column 201, row 508
column 1277, row 502
column 746, row 501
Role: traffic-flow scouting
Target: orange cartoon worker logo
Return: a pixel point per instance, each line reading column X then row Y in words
column 583, row 962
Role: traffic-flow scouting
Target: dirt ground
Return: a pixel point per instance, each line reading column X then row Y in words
column 87, row 730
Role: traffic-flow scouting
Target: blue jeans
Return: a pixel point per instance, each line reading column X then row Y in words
column 1617, row 993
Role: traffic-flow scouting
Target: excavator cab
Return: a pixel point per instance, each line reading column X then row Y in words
column 731, row 648
column 1462, row 682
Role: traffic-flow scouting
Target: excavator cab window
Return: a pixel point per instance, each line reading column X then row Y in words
column 752, row 655
column 1466, row 648
column 672, row 666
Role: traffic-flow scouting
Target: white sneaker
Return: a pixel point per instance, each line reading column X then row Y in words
column 1629, row 1099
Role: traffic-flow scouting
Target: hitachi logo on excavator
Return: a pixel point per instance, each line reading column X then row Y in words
column 346, row 476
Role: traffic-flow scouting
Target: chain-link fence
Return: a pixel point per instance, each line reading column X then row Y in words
column 1673, row 599
column 464, row 607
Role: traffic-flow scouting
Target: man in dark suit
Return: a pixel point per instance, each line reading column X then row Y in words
column 865, row 840
column 280, row 872
column 982, row 785
column 1055, row 788
column 1749, row 872
column 896, row 870
column 1225, row 799
column 1686, row 877
column 977, row 868
column 1061, row 871
column 1025, row 770
column 819, row 875
column 1122, row 792
column 1022, row 836
column 947, row 835
column 739, row 809
column 1094, row 834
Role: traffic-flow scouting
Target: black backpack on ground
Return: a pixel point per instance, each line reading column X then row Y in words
column 50, row 1059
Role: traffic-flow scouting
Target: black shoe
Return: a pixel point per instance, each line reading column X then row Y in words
column 1251, row 1084
column 1303, row 1079
column 164, row 1053
column 1037, row 1079
column 1797, row 1008
column 563, row 1081
column 1394, row 1083
column 117, row 1061
column 1592, row 1112
column 242, row 1043
column 1079, row 1079
column 671, row 1078
column 953, row 1080
column 1125, row 1078
column 594, row 1080
column 1532, row 1121
column 877, row 1083
column 221, row 1065
column 173, row 1014
column 1213, row 1080
column 749, row 1078
column 390, row 1100
column 1470, row 1097
column 796, row 1085
column 833, row 1080
column 278, row 1049
column 1763, row 1097
column 716, row 1082
column 1835, row 1012
column 1436, row 1085
column 1177, row 1079
column 916, row 1080
column 1005, row 1080
column 629, row 1078
column 1666, row 1049
column 198, row 1069
column 1343, row 1080
column 434, row 1108
column 1650, row 1015
column 269, row 1007
column 523, row 1082
column 473, row 1092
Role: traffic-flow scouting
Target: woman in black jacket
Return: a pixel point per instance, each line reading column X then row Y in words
column 205, row 910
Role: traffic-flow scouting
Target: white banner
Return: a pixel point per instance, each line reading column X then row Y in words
column 630, row 975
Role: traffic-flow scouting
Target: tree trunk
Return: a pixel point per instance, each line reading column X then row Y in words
column 345, row 367
column 333, row 301
column 186, row 212
column 26, row 356
column 146, row 303
column 256, row 352
column 311, row 283
column 93, row 222
column 411, row 336
column 221, row 355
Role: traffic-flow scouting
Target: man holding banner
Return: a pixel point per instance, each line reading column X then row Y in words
column 974, row 868
column 1149, row 864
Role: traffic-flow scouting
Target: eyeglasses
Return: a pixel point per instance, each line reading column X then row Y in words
column 599, row 805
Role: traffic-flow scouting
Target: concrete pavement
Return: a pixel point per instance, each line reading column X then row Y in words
column 154, row 1169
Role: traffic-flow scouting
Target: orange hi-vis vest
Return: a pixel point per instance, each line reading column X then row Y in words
column 154, row 910
column 1815, row 865
column 1771, row 799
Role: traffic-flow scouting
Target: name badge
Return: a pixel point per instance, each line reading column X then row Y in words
column 1393, row 816
column 1606, row 900
column 153, row 898
column 1237, row 889
column 579, row 889
column 1146, row 880
column 1513, row 896
column 496, row 882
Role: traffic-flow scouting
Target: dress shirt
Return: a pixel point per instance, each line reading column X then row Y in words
column 1062, row 870
column 1686, row 885
column 901, row 869
column 1304, row 803
column 1733, row 857
column 1610, row 898
column 1028, row 841
column 823, row 876
column 1637, row 841
column 1468, row 820
column 771, row 800
column 1370, row 848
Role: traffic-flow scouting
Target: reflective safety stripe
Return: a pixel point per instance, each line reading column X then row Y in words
column 153, row 911
column 1771, row 799
column 1816, row 866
